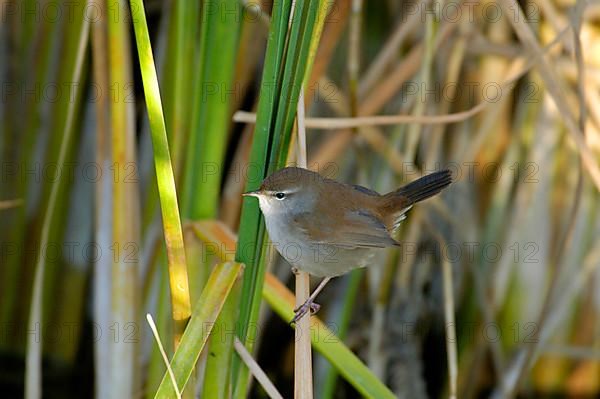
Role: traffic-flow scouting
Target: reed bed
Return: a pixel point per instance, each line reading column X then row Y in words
column 130, row 129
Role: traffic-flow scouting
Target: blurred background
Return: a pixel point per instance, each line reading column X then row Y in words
column 495, row 291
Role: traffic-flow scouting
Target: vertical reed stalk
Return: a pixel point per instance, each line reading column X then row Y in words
column 303, row 385
column 103, row 205
column 125, row 205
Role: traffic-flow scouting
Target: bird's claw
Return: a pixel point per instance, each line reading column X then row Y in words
column 303, row 309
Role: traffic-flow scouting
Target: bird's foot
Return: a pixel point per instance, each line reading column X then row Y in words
column 303, row 309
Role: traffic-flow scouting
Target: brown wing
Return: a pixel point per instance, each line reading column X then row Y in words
column 357, row 229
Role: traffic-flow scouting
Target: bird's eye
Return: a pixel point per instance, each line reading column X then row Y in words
column 280, row 196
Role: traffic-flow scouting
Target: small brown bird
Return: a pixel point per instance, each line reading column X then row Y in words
column 328, row 228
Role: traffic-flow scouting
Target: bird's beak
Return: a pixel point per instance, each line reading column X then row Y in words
column 252, row 194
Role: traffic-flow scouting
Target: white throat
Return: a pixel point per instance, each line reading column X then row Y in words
column 265, row 206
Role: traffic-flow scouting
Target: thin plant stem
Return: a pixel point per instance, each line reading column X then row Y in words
column 303, row 386
column 257, row 372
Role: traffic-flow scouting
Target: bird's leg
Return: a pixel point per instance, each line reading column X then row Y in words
column 309, row 304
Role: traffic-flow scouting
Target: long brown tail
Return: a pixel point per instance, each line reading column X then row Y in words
column 396, row 203
column 425, row 187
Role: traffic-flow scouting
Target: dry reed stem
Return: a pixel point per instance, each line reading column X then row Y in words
column 7, row 204
column 303, row 384
column 256, row 370
column 301, row 148
column 450, row 330
column 377, row 120
column 163, row 354
column 354, row 54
